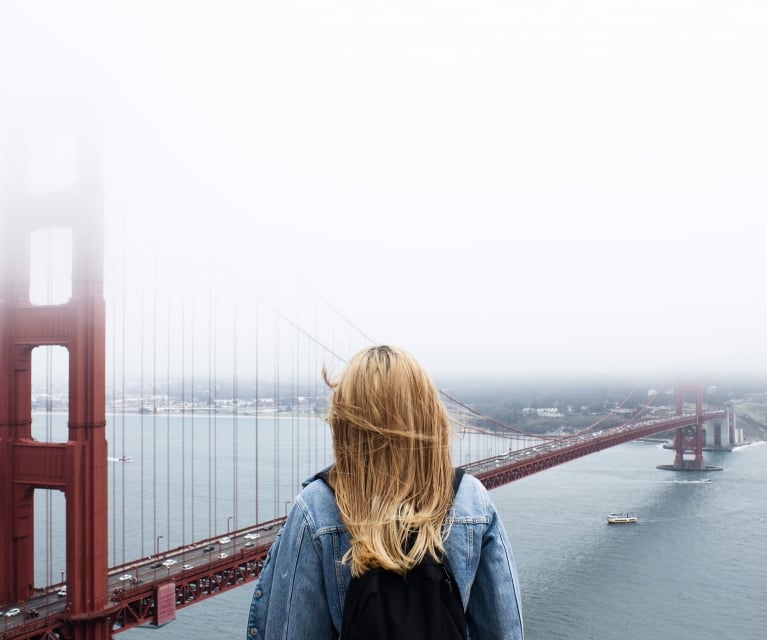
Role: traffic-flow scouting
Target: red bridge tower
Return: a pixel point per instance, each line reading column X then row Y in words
column 78, row 467
column 690, row 439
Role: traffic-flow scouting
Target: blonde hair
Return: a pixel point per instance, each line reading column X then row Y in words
column 393, row 473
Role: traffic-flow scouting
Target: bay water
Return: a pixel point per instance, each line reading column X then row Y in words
column 694, row 565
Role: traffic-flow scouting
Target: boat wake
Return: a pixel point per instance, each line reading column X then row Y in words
column 701, row 481
column 747, row 446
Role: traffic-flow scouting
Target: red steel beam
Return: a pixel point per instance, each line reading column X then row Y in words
column 504, row 474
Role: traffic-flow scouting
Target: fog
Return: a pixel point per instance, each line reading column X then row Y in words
column 532, row 188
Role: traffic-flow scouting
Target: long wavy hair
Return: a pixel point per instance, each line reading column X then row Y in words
column 393, row 473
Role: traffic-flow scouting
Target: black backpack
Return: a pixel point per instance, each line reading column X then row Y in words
column 424, row 604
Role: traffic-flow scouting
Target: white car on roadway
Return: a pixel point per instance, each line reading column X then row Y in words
column 225, row 539
column 252, row 536
column 169, row 562
column 125, row 577
column 12, row 612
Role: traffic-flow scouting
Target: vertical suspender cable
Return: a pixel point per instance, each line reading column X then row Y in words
column 192, row 405
column 258, row 407
column 276, row 417
column 294, row 409
column 183, row 407
column 296, row 412
column 234, row 408
column 154, row 404
column 142, row 400
column 167, row 419
column 122, row 412
column 211, row 403
column 214, row 447
column 311, row 376
column 112, row 420
column 320, row 429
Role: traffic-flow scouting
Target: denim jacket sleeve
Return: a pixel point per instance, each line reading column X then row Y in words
column 481, row 556
column 494, row 608
column 289, row 602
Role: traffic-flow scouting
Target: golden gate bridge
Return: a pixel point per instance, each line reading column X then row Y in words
column 227, row 395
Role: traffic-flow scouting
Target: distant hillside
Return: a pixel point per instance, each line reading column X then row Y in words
column 564, row 406
column 751, row 415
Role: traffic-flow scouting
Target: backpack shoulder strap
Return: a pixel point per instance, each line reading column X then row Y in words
column 457, row 477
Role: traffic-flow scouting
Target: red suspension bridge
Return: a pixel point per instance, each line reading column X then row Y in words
column 144, row 531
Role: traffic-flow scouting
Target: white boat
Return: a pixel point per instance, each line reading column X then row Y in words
column 621, row 518
column 125, row 458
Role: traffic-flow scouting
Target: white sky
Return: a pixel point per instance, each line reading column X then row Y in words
column 505, row 187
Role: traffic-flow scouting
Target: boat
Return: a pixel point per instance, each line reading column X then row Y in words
column 621, row 518
column 125, row 458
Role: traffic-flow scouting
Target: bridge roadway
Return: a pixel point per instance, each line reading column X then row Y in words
column 194, row 572
column 203, row 569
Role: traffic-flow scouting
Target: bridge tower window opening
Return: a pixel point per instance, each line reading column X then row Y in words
column 50, row 393
column 50, row 266
column 50, row 537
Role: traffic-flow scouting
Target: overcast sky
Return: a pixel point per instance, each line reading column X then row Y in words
column 537, row 186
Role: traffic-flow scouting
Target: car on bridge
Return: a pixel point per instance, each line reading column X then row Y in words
column 169, row 562
column 12, row 612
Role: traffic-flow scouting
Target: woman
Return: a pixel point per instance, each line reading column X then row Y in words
column 392, row 476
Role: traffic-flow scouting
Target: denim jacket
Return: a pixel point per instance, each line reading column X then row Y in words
column 300, row 592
